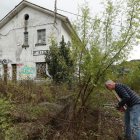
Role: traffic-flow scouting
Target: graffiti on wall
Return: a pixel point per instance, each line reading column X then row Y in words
column 8, row 68
column 26, row 71
column 5, row 61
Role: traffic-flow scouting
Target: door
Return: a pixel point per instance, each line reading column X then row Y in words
column 14, row 72
column 5, row 67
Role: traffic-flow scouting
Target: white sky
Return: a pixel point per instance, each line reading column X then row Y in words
column 67, row 5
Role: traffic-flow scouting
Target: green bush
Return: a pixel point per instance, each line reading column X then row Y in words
column 5, row 120
column 60, row 62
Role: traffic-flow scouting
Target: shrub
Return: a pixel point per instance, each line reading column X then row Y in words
column 5, row 120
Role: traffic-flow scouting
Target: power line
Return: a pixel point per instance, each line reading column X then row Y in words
column 23, row 28
column 55, row 20
column 90, row 18
column 69, row 12
column 55, row 11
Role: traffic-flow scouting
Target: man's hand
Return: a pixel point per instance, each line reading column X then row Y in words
column 121, row 109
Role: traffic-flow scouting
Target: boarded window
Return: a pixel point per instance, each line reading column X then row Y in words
column 41, row 35
column 26, row 38
column 25, row 45
column 41, row 70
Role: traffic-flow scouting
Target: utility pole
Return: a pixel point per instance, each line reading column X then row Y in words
column 55, row 11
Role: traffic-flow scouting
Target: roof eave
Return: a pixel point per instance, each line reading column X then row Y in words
column 22, row 5
column 71, row 29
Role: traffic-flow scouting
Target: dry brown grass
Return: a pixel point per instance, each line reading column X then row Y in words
column 31, row 121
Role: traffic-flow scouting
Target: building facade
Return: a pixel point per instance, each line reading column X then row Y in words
column 25, row 35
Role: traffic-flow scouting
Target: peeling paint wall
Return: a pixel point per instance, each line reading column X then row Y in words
column 12, row 40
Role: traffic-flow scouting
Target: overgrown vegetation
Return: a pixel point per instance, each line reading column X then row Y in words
column 105, row 42
column 74, row 108
column 27, row 109
column 60, row 62
column 129, row 73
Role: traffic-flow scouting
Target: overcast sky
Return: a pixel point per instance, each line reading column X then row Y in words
column 67, row 5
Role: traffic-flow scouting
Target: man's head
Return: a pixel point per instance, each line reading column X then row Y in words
column 110, row 85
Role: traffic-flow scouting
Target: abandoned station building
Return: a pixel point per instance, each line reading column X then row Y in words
column 24, row 40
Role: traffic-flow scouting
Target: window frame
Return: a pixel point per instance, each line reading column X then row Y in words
column 41, row 75
column 41, row 37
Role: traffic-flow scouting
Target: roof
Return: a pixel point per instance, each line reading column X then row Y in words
column 24, row 4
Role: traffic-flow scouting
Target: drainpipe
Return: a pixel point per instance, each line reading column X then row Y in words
column 26, row 18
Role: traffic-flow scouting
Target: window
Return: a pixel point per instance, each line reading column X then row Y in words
column 25, row 45
column 26, row 17
column 41, row 70
column 41, row 37
column 26, row 38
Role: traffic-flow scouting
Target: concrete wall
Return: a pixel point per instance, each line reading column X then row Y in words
column 11, row 51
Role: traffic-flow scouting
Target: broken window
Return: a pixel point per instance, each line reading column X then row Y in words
column 41, row 70
column 26, row 38
column 41, row 37
column 25, row 45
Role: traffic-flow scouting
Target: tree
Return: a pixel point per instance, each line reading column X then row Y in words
column 129, row 73
column 60, row 63
column 104, row 42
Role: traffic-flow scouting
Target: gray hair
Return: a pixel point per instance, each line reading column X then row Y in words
column 108, row 82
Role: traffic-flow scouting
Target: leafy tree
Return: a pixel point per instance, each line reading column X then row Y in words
column 60, row 63
column 129, row 72
column 104, row 42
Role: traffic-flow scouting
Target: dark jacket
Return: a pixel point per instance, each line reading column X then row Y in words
column 127, row 95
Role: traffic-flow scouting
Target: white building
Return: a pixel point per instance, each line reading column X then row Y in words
column 25, row 37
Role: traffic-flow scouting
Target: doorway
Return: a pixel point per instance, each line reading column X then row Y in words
column 14, row 72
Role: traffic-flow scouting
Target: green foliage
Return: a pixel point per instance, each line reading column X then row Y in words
column 15, row 133
column 5, row 120
column 24, row 132
column 106, row 47
column 129, row 73
column 60, row 62
column 29, row 111
column 105, row 42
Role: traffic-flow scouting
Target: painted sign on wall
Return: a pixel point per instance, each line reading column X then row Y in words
column 40, row 52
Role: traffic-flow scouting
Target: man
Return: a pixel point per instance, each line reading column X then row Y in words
column 132, row 114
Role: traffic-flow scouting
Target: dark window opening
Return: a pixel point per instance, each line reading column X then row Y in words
column 14, row 72
column 5, row 67
column 41, row 37
column 41, row 70
column 26, row 16
column 25, row 45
